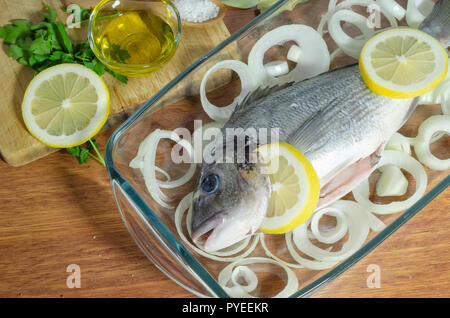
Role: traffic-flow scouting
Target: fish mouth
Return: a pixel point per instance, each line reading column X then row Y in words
column 201, row 234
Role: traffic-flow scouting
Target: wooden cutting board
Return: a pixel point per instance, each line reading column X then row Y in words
column 18, row 147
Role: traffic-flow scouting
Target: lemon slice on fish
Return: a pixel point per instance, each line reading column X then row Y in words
column 403, row 63
column 295, row 188
column 65, row 105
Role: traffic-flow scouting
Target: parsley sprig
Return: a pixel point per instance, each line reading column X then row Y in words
column 47, row 44
column 85, row 152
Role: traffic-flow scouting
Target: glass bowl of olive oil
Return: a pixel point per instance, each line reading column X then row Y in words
column 134, row 38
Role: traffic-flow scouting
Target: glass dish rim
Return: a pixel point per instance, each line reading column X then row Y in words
column 183, row 252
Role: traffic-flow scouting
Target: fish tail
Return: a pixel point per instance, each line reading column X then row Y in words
column 437, row 24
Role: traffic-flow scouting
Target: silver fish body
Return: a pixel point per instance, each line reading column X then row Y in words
column 333, row 119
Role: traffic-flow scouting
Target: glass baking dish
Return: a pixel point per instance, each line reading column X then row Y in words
column 153, row 227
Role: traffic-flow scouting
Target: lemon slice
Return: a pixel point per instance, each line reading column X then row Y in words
column 403, row 63
column 295, row 188
column 65, row 105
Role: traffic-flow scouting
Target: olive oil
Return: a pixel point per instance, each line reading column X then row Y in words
column 137, row 38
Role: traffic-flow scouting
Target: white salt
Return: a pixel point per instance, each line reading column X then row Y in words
column 196, row 10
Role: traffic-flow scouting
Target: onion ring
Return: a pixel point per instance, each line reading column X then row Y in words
column 358, row 230
column 243, row 290
column 402, row 160
column 270, row 254
column 186, row 145
column 249, row 276
column 439, row 95
column 149, row 169
column 336, row 53
column 417, row 11
column 350, row 46
column 277, row 68
column 294, row 54
column 222, row 114
column 392, row 182
column 393, row 8
column 347, row 4
column 434, row 124
column 375, row 223
column 400, row 143
column 333, row 235
column 311, row 264
column 315, row 56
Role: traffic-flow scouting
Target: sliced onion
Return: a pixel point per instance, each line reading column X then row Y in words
column 408, row 163
column 315, row 56
column 358, row 230
column 417, row 11
column 348, row 4
column 400, row 143
column 350, row 46
column 311, row 264
column 239, row 290
column 186, row 145
column 393, row 8
column 249, row 276
column 336, row 53
column 332, row 4
column 439, row 95
column 277, row 68
column 222, row 114
column 138, row 161
column 294, row 54
column 375, row 223
column 145, row 161
column 434, row 96
column 392, row 182
column 270, row 254
column 431, row 126
column 445, row 99
column 333, row 235
column 186, row 204
column 139, row 164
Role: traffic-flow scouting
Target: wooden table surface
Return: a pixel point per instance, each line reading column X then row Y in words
column 55, row 212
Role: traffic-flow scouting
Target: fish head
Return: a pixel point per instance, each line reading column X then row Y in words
column 229, row 204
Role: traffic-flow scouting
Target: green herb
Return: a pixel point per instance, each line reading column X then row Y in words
column 119, row 54
column 85, row 14
column 86, row 151
column 118, row 76
column 50, row 15
column 47, row 44
column 63, row 37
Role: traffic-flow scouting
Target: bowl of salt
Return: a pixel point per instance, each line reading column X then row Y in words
column 200, row 13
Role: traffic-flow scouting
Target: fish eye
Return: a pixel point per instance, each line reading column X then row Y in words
column 210, row 184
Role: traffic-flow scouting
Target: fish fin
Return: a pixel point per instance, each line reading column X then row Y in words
column 348, row 178
column 307, row 142
column 437, row 23
column 259, row 93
